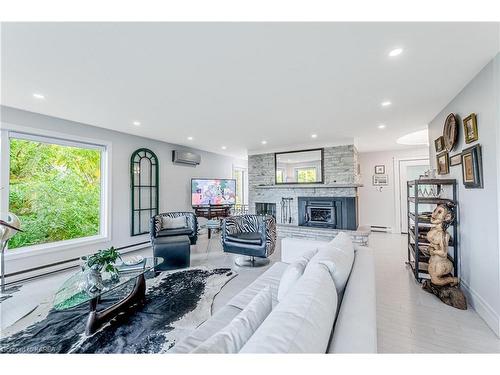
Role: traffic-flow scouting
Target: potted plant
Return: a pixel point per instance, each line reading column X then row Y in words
column 103, row 260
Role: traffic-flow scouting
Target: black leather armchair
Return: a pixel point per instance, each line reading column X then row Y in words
column 253, row 236
column 191, row 230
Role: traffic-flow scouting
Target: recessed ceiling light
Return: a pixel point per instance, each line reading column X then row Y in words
column 395, row 52
column 38, row 96
column 314, row 136
column 264, row 142
column 190, row 138
column 136, row 123
column 223, row 147
column 386, row 103
column 382, row 126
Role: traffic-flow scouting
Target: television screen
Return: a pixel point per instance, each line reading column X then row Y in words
column 206, row 192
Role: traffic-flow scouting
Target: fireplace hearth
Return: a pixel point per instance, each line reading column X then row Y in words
column 328, row 212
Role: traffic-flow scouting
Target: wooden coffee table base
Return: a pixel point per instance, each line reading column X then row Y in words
column 97, row 319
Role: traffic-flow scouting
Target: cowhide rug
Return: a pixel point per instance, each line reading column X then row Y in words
column 176, row 303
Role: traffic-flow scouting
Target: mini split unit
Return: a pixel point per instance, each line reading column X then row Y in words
column 185, row 157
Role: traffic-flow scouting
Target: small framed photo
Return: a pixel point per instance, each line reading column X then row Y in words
column 443, row 163
column 470, row 129
column 472, row 167
column 455, row 160
column 380, row 169
column 380, row 180
column 439, row 144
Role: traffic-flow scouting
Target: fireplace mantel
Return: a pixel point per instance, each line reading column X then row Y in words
column 309, row 186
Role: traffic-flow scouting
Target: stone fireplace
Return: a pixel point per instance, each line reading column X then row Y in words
column 316, row 210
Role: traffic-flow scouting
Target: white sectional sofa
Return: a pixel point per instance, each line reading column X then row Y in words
column 313, row 317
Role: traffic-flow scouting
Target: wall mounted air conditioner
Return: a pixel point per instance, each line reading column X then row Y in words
column 185, row 157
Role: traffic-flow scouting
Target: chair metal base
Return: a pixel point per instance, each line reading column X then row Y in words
column 251, row 262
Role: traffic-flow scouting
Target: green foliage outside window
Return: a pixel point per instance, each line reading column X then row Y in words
column 55, row 191
column 305, row 175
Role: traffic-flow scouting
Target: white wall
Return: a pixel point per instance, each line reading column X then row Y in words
column 479, row 208
column 174, row 179
column 377, row 206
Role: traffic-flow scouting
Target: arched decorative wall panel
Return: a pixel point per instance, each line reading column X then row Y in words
column 144, row 189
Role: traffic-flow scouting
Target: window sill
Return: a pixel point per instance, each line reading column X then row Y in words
column 49, row 248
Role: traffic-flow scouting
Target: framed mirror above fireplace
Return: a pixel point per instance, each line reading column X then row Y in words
column 299, row 167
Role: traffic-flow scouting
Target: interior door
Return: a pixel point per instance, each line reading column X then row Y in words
column 408, row 170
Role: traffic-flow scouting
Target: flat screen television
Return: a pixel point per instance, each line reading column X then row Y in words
column 212, row 192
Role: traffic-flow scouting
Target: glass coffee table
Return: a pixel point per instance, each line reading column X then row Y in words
column 74, row 293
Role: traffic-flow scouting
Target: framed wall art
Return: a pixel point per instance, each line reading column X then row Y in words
column 439, row 144
column 472, row 167
column 455, row 160
column 443, row 163
column 380, row 169
column 380, row 180
column 450, row 132
column 470, row 128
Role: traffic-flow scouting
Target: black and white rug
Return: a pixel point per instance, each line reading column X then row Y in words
column 176, row 303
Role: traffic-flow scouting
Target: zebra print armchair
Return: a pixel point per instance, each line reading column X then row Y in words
column 158, row 228
column 252, row 236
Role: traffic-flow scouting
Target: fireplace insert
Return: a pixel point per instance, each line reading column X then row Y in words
column 328, row 212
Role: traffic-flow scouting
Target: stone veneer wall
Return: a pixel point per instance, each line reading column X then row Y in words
column 340, row 167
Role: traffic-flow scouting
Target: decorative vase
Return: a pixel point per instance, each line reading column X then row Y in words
column 93, row 280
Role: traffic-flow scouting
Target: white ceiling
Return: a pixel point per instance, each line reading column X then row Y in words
column 236, row 84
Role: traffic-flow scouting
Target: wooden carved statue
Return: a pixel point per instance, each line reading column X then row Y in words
column 442, row 282
column 440, row 267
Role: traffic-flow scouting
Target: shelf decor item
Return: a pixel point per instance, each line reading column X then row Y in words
column 380, row 169
column 472, row 167
column 450, row 132
column 470, row 128
column 439, row 144
column 443, row 163
column 455, row 160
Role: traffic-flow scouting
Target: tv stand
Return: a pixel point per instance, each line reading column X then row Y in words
column 213, row 211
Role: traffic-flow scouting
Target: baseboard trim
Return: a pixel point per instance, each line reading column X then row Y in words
column 483, row 308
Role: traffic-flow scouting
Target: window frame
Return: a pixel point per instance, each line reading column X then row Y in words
column 8, row 131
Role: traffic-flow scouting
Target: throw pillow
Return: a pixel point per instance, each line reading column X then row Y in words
column 174, row 222
column 293, row 273
column 338, row 257
column 234, row 336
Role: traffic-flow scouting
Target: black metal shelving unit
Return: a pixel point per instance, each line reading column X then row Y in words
column 419, row 224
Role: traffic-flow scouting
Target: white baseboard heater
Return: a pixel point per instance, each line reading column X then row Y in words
column 379, row 228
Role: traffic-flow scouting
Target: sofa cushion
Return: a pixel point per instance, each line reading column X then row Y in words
column 178, row 222
column 254, row 238
column 219, row 320
column 293, row 272
column 174, row 232
column 303, row 321
column 231, row 338
column 338, row 257
column 271, row 277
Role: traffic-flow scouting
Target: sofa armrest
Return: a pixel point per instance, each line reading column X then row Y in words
column 355, row 330
column 293, row 248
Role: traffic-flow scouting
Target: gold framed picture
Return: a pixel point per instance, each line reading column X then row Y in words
column 470, row 128
column 443, row 163
column 439, row 144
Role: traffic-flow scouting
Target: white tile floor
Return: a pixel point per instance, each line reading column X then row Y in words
column 409, row 320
